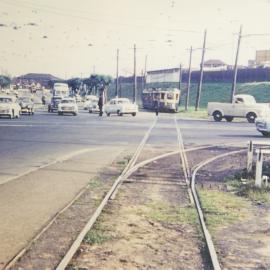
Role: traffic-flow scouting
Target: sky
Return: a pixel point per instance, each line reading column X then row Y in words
column 68, row 38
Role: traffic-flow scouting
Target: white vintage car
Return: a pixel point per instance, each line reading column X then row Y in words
column 9, row 107
column 120, row 106
column 89, row 100
column 68, row 105
column 243, row 106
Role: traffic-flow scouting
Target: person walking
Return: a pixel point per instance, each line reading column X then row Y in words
column 156, row 106
column 100, row 104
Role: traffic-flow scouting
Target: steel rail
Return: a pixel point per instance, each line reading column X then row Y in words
column 129, row 169
column 76, row 244
column 207, row 235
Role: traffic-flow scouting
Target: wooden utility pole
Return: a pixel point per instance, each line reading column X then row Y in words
column 120, row 87
column 117, row 74
column 201, row 75
column 135, row 77
column 180, row 80
column 235, row 65
column 189, row 78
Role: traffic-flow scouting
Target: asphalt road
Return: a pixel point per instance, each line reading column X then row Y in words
column 33, row 141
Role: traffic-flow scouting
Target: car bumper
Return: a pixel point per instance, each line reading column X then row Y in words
column 25, row 110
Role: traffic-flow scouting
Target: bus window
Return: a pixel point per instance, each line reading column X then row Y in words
column 162, row 95
column 169, row 96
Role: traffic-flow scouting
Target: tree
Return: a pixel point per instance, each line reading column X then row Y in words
column 4, row 81
column 74, row 84
column 97, row 83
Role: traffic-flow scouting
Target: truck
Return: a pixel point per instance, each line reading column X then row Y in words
column 243, row 106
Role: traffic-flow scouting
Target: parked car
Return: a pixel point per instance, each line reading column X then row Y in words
column 88, row 100
column 243, row 106
column 53, row 105
column 120, row 106
column 263, row 126
column 9, row 107
column 68, row 105
column 27, row 105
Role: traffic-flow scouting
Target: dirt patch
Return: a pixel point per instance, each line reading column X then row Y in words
column 150, row 225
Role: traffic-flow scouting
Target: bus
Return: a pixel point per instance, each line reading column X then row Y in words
column 61, row 90
column 168, row 99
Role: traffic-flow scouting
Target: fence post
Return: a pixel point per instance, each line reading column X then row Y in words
column 249, row 157
column 259, row 163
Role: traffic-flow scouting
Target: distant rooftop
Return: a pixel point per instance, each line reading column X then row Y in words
column 214, row 62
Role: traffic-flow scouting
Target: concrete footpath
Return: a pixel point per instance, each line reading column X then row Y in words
column 29, row 202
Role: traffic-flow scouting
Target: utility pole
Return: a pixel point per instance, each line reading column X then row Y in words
column 235, row 65
column 135, row 77
column 117, row 74
column 145, row 70
column 189, row 78
column 201, row 75
column 142, row 78
column 180, row 81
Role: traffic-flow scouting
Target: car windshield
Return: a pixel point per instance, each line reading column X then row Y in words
column 67, row 101
column 25, row 99
column 5, row 100
column 123, row 101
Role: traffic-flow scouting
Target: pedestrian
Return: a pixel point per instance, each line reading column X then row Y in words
column 156, row 106
column 100, row 104
column 43, row 100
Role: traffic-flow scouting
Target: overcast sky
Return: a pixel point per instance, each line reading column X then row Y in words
column 70, row 38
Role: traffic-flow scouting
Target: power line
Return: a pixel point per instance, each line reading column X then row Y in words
column 57, row 11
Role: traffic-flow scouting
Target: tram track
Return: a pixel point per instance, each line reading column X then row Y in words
column 134, row 174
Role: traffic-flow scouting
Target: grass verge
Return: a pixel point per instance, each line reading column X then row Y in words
column 97, row 235
column 248, row 190
column 191, row 113
column 222, row 208
column 166, row 213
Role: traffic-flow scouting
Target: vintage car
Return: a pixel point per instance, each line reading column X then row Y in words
column 120, row 106
column 89, row 100
column 263, row 126
column 53, row 105
column 9, row 107
column 27, row 105
column 68, row 105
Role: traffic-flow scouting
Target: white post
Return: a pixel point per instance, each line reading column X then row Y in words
column 249, row 157
column 259, row 163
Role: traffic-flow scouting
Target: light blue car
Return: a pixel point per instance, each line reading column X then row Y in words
column 263, row 126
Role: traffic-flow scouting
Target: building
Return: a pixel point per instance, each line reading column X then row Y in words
column 163, row 75
column 214, row 65
column 263, row 58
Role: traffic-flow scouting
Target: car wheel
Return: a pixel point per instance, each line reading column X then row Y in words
column 108, row 114
column 60, row 113
column 217, row 115
column 228, row 118
column 74, row 114
column 90, row 111
column 133, row 114
column 251, row 116
column 265, row 133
